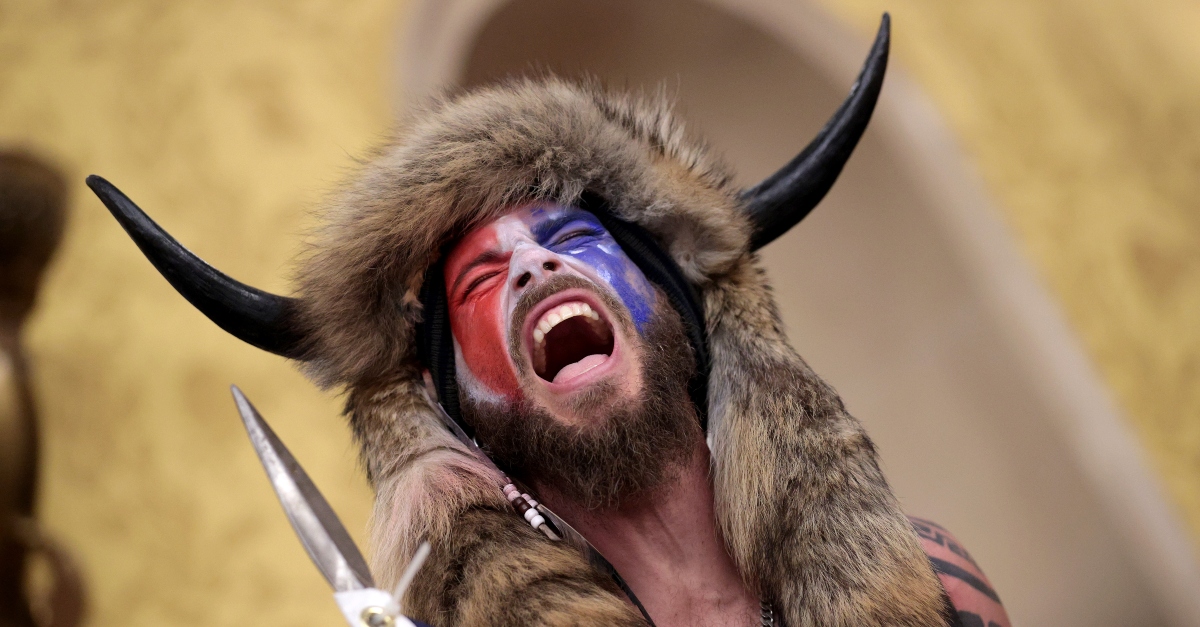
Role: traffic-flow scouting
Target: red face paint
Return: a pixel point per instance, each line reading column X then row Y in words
column 475, row 286
column 479, row 269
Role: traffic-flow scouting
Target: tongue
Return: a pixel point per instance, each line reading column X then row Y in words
column 570, row 371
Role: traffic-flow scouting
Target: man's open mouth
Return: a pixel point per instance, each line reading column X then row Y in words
column 570, row 339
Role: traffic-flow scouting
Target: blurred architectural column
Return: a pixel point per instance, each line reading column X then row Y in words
column 32, row 208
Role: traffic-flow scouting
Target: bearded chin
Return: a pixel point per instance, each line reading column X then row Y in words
column 637, row 446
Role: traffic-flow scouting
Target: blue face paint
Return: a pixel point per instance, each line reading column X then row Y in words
column 575, row 233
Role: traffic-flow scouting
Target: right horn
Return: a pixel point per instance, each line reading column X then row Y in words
column 782, row 200
column 249, row 314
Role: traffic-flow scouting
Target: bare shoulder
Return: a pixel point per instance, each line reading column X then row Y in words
column 969, row 590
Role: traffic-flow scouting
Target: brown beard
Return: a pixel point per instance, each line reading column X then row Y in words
column 636, row 447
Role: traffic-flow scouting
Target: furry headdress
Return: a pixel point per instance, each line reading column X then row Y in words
column 804, row 509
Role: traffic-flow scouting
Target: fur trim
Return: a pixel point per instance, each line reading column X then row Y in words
column 808, row 516
column 484, row 556
column 473, row 158
column 799, row 495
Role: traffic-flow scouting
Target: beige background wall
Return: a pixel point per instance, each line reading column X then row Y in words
column 228, row 121
column 1084, row 121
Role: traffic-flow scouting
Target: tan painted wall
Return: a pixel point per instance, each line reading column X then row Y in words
column 228, row 121
column 1084, row 120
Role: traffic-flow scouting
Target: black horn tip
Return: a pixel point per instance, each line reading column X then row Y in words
column 256, row 317
column 783, row 199
column 107, row 192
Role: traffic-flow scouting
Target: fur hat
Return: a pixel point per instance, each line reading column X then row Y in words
column 804, row 509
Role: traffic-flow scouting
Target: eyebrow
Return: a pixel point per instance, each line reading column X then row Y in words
column 543, row 230
column 486, row 257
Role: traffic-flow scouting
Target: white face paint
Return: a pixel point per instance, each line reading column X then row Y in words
column 491, row 268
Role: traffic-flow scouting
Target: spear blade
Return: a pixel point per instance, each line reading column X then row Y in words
column 324, row 537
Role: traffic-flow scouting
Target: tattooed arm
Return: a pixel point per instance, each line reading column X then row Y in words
column 969, row 590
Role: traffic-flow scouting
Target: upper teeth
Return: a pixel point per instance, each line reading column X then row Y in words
column 551, row 318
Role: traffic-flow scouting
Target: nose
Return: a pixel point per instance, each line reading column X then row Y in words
column 532, row 265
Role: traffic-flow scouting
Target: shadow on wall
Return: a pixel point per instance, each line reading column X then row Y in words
column 873, row 295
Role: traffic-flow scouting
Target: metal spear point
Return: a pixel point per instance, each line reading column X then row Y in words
column 322, row 533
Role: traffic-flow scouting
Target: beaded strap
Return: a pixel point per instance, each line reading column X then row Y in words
column 527, row 507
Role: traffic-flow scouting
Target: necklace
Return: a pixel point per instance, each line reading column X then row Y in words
column 768, row 614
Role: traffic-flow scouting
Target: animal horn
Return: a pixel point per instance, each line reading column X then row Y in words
column 782, row 200
column 249, row 314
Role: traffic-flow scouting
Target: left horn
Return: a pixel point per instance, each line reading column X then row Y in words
column 249, row 314
column 782, row 200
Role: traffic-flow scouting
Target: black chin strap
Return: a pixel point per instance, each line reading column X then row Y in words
column 437, row 343
column 641, row 247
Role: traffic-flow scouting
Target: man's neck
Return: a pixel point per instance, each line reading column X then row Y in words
column 667, row 548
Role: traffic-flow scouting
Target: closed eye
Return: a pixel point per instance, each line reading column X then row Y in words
column 477, row 282
column 575, row 235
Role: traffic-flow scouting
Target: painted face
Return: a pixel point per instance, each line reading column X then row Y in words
column 567, row 338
